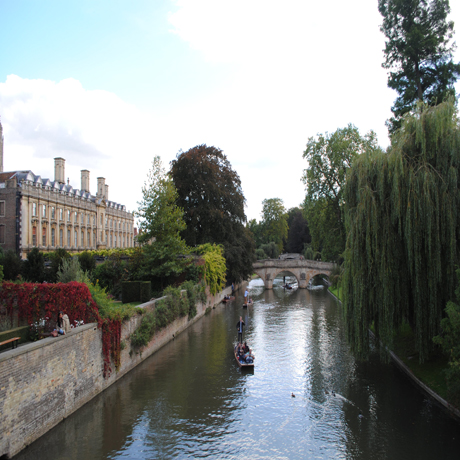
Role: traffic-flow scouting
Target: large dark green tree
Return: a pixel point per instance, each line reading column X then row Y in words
column 298, row 233
column 209, row 191
column 329, row 157
column 403, row 224
column 418, row 53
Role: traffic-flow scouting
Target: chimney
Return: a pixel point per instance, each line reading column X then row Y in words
column 100, row 187
column 1, row 148
column 106, row 192
column 85, row 180
column 59, row 170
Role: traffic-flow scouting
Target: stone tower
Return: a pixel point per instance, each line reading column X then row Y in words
column 85, row 180
column 59, row 170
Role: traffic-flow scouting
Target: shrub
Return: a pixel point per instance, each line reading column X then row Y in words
column 70, row 270
column 144, row 333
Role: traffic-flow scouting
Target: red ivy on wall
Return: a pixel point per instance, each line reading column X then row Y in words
column 37, row 302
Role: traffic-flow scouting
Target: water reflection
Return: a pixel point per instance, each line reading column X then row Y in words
column 190, row 400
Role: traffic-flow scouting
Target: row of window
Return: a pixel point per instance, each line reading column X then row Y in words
column 91, row 238
column 111, row 223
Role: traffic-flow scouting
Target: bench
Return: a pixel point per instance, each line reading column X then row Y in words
column 13, row 341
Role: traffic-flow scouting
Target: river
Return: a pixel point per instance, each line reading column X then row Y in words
column 307, row 397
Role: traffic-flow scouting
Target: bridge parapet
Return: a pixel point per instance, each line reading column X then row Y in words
column 302, row 269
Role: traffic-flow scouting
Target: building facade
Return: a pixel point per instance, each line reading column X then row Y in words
column 45, row 214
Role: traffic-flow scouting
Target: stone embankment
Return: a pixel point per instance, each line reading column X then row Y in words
column 43, row 382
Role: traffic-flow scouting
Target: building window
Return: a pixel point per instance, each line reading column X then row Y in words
column 34, row 209
column 53, row 236
column 106, row 221
column 44, row 210
column 53, row 213
column 111, row 240
column 82, row 218
column 82, row 238
column 2, row 234
column 2, row 209
column 69, row 241
column 68, row 217
column 44, row 236
column 75, row 239
column 61, row 238
column 89, row 219
column 102, row 218
column 94, row 238
column 60, row 214
column 34, row 236
column 115, row 241
column 94, row 220
column 89, row 239
column 75, row 218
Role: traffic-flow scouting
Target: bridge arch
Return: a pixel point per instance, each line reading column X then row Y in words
column 303, row 269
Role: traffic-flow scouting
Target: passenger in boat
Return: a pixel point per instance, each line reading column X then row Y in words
column 245, row 347
column 246, row 296
column 233, row 289
column 239, row 326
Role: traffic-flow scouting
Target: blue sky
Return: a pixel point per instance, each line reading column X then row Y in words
column 110, row 84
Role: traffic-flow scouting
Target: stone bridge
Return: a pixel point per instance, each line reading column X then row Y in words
column 304, row 270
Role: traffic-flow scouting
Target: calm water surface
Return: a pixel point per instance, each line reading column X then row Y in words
column 190, row 399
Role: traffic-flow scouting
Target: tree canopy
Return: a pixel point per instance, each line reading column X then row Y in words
column 161, row 224
column 210, row 193
column 274, row 222
column 298, row 233
column 418, row 53
column 403, row 225
column 329, row 157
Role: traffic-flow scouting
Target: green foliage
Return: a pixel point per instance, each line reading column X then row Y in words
column 274, row 222
column 70, row 270
column 195, row 293
column 260, row 254
column 56, row 257
column 449, row 339
column 417, row 53
column 144, row 333
column 329, row 158
column 402, row 216
column 271, row 250
column 110, row 274
column 210, row 193
column 298, row 233
column 215, row 268
column 87, row 261
column 12, row 265
column 34, row 267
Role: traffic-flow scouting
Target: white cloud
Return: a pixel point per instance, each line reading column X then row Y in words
column 92, row 130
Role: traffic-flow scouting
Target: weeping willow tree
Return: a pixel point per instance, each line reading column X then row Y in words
column 403, row 223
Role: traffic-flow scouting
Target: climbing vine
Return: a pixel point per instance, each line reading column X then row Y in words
column 41, row 303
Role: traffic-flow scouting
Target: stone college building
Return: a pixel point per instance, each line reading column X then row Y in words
column 36, row 212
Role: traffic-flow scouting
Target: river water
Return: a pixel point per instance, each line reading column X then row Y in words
column 307, row 397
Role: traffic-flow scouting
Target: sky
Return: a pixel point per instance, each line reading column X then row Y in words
column 110, row 84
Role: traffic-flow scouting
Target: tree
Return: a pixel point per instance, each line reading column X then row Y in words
column 161, row 224
column 403, row 221
column 12, row 265
column 329, row 158
column 34, row 266
column 418, row 53
column 298, row 233
column 274, row 222
column 210, row 193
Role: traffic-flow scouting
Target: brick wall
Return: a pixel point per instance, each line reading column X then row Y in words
column 43, row 382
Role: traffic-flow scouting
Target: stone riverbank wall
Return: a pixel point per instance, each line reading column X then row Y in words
column 43, row 382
